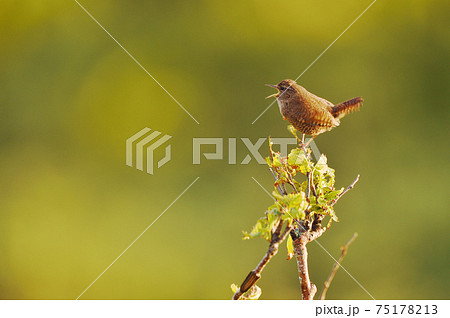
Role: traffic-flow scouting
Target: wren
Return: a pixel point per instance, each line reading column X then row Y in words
column 308, row 113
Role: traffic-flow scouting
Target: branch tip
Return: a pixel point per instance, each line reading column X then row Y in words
column 344, row 249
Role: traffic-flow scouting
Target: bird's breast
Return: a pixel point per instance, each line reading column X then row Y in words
column 280, row 105
column 283, row 105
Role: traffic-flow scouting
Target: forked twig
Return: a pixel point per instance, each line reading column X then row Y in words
column 344, row 249
column 308, row 289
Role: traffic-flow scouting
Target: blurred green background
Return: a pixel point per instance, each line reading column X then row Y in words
column 70, row 97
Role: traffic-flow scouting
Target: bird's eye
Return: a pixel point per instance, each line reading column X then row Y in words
column 281, row 88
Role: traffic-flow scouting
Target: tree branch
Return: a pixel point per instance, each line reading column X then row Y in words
column 344, row 249
column 255, row 274
column 301, row 254
column 307, row 287
column 351, row 186
column 307, row 230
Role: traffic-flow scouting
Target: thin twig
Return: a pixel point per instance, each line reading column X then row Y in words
column 336, row 266
column 284, row 189
column 345, row 191
column 291, row 181
column 280, row 189
column 319, row 217
column 308, row 186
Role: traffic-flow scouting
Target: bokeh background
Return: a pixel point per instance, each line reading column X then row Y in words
column 70, row 97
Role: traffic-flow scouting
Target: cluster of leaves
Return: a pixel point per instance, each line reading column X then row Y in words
column 303, row 201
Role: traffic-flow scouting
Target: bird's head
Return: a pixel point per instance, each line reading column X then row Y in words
column 285, row 88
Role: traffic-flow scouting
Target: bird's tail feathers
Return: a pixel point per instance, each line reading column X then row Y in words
column 347, row 107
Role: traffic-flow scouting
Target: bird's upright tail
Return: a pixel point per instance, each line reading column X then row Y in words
column 347, row 107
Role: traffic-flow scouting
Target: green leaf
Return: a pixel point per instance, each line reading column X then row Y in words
column 322, row 163
column 321, row 200
column 290, row 247
column 333, row 215
column 331, row 195
column 295, row 200
column 297, row 213
column 277, row 196
column 276, row 161
column 259, row 229
column 273, row 218
column 296, row 157
column 298, row 161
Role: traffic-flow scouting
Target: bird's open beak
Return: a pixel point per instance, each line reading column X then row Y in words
column 273, row 95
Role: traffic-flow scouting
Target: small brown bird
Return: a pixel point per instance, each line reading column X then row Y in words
column 308, row 113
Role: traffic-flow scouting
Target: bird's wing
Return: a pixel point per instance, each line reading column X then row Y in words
column 320, row 110
column 321, row 101
column 325, row 102
column 323, row 117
